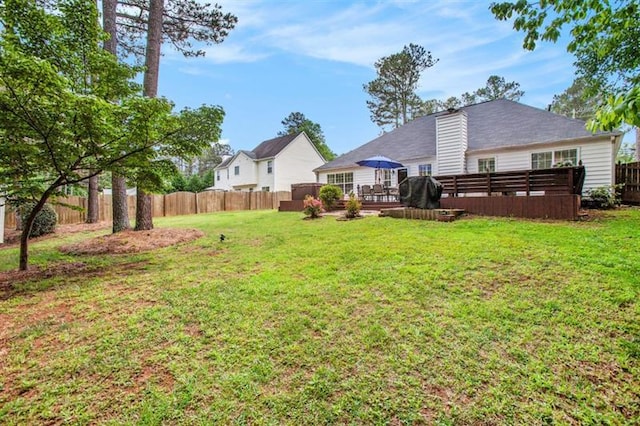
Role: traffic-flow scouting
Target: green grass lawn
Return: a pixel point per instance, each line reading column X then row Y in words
column 373, row 321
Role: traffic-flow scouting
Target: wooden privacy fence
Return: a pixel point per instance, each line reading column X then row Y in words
column 175, row 204
column 562, row 180
column 629, row 176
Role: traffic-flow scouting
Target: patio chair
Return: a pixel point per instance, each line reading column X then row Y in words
column 378, row 191
column 365, row 191
column 394, row 194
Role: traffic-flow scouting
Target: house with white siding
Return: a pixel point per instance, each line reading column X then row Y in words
column 273, row 165
column 493, row 136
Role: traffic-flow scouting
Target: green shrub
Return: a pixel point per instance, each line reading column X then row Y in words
column 329, row 194
column 353, row 206
column 45, row 221
column 603, row 197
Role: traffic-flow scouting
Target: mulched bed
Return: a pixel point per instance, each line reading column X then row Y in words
column 132, row 241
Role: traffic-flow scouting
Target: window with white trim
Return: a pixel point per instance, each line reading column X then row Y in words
column 424, row 170
column 218, row 175
column 566, row 157
column 342, row 180
column 269, row 166
column 541, row 160
column 386, row 178
column 236, row 170
column 546, row 160
column 486, row 165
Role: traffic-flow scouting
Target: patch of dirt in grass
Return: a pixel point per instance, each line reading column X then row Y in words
column 120, row 243
column 132, row 241
column 156, row 374
column 9, row 278
column 12, row 237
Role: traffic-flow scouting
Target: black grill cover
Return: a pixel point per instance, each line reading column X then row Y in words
column 422, row 192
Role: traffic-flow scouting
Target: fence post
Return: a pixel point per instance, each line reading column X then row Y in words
column 528, row 183
column 488, row 184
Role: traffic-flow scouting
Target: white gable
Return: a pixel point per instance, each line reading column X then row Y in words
column 295, row 163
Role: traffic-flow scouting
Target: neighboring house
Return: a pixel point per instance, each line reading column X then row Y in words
column 273, row 165
column 499, row 135
column 130, row 191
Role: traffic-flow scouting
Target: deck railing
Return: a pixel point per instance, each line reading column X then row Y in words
column 555, row 181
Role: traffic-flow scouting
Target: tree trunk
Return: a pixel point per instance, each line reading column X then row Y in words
column 24, row 247
column 120, row 207
column 154, row 43
column 144, row 218
column 109, row 8
column 93, row 213
column 637, row 143
column 26, row 230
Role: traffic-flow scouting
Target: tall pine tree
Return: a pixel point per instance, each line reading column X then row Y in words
column 394, row 100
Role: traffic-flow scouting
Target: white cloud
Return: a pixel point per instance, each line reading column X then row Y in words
column 192, row 70
column 226, row 53
column 354, row 33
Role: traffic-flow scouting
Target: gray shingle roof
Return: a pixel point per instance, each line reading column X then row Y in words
column 494, row 124
column 267, row 149
column 272, row 147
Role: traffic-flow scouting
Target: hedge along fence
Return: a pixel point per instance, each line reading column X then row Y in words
column 175, row 204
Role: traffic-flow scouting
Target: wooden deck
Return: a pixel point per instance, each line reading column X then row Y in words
column 628, row 175
column 537, row 194
column 564, row 206
column 562, row 180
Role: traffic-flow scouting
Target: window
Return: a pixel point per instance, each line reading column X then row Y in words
column 486, row 165
column 342, row 180
column 218, row 175
column 564, row 157
column 265, row 189
column 236, row 170
column 546, row 160
column 270, row 166
column 386, row 178
column 541, row 160
column 424, row 170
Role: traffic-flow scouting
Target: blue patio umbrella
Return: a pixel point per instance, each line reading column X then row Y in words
column 379, row 162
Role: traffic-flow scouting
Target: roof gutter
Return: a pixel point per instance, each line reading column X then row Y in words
column 592, row 138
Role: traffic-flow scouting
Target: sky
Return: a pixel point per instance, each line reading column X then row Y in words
column 314, row 56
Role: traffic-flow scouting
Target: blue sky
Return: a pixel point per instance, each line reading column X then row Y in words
column 313, row 56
